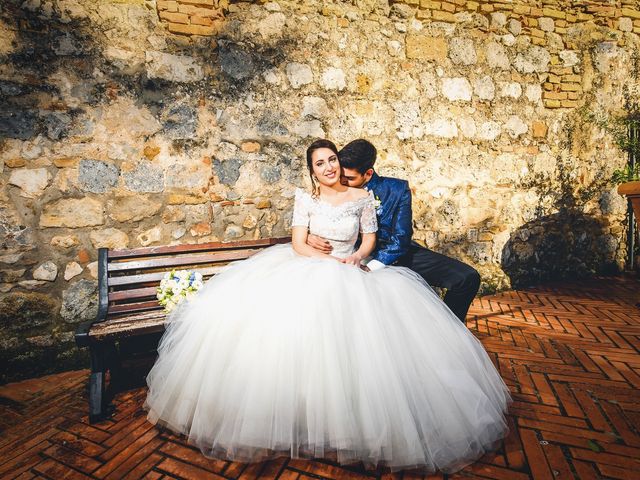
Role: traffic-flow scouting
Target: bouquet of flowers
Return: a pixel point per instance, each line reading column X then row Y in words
column 176, row 286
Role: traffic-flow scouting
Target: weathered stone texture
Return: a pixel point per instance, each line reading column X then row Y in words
column 125, row 124
column 80, row 302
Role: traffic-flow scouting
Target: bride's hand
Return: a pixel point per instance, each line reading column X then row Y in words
column 353, row 260
column 319, row 243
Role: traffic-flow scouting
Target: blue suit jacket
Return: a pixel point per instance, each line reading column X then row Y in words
column 395, row 226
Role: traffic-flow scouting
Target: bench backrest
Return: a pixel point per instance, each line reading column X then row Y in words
column 128, row 278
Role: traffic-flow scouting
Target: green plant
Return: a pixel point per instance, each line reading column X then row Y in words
column 626, row 174
column 625, row 130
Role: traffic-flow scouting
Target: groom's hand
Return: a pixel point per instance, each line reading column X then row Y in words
column 319, row 243
column 353, row 259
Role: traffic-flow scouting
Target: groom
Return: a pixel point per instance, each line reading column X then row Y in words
column 394, row 245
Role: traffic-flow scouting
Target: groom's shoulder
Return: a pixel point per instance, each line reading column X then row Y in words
column 394, row 183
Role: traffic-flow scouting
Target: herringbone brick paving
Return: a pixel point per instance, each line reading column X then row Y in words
column 569, row 353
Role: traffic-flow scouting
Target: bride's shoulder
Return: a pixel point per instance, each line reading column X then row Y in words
column 301, row 193
column 358, row 193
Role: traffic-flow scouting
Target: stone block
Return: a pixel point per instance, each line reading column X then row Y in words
column 424, row 47
column 333, row 79
column 233, row 232
column 489, row 130
column 144, row 177
column 456, row 89
column 83, row 255
column 200, row 229
column 448, row 7
column 314, row 107
column 515, row 126
column 462, row 51
column 72, row 269
column 80, row 301
column 472, row 6
column 32, row 181
column 198, row 20
column 270, row 173
column 228, row 171
column 553, row 13
column 180, row 121
column 299, row 74
column 109, row 238
column 535, row 59
column 72, row 213
column 64, row 241
column 440, row 16
column 546, row 24
column 48, row 271
column 66, row 162
column 521, row 10
column 236, row 62
column 168, row 5
column 96, row 176
column 150, row 152
column 132, row 209
column 539, row 129
column 570, row 87
column 552, row 103
column 153, row 235
column 554, row 95
column 174, row 68
column 192, row 29
column 569, row 104
column 496, row 56
column 200, row 11
column 186, row 199
column 174, row 17
column 250, row 147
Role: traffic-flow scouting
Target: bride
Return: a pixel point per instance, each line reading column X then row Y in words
column 299, row 353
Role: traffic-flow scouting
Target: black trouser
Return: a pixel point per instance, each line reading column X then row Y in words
column 461, row 281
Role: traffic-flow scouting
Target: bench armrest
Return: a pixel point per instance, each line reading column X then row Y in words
column 82, row 333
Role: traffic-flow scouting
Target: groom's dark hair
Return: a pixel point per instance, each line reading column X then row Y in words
column 359, row 155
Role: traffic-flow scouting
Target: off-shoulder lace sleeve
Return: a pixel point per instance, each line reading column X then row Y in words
column 368, row 220
column 301, row 209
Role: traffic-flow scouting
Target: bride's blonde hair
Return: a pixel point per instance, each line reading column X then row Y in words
column 320, row 143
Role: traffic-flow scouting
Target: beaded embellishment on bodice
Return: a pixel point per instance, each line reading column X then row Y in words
column 339, row 224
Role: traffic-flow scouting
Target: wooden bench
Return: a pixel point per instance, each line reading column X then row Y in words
column 128, row 307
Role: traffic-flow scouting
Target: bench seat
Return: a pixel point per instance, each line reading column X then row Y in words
column 128, row 307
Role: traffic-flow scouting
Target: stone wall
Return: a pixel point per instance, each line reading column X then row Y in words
column 135, row 122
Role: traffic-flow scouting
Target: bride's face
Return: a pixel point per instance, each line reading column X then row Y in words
column 326, row 166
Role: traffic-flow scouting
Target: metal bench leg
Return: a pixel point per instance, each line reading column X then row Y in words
column 97, row 387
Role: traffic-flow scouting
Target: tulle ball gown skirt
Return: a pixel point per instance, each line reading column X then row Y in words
column 288, row 355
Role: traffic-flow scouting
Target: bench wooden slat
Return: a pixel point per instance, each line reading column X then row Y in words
column 115, row 319
column 184, row 260
column 199, row 247
column 133, row 293
column 128, row 326
column 157, row 276
column 135, row 307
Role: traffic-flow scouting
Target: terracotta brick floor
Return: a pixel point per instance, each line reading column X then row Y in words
column 569, row 353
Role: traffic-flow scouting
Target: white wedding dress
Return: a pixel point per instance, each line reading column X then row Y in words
column 282, row 354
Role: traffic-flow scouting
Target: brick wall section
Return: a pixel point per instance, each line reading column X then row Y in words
column 192, row 17
column 538, row 19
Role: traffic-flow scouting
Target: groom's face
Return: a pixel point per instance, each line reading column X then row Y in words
column 353, row 178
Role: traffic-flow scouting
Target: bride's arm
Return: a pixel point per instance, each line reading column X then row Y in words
column 367, row 245
column 300, row 245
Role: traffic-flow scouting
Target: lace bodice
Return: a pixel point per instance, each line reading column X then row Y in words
column 339, row 224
